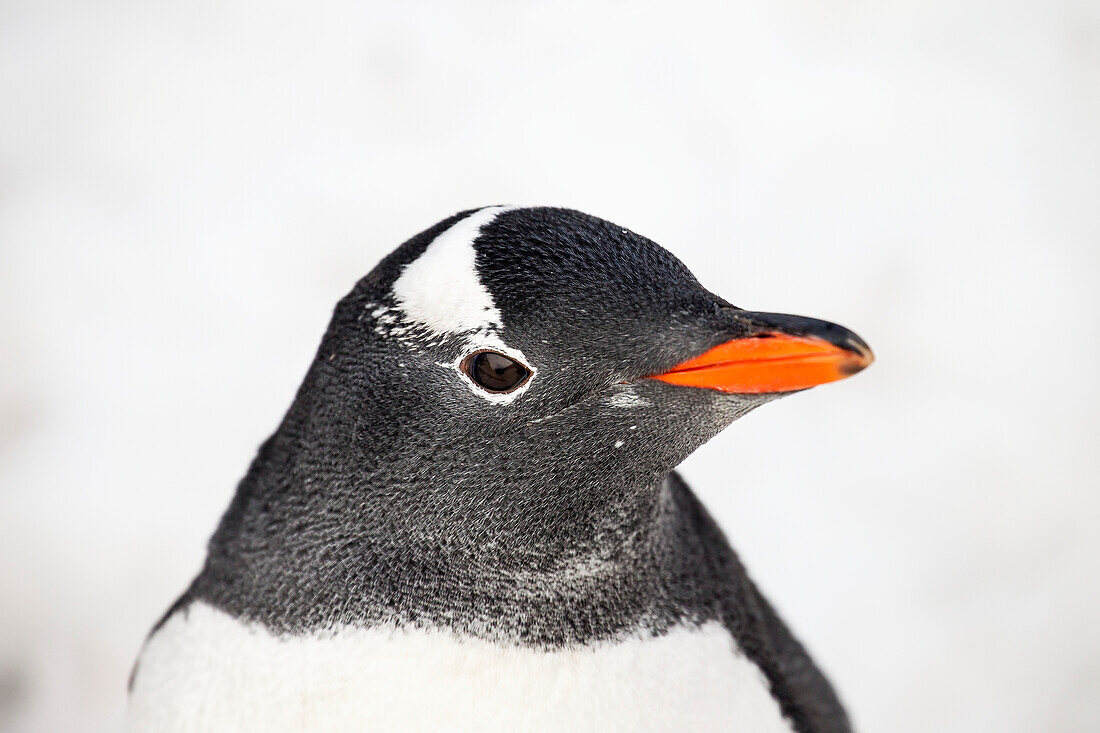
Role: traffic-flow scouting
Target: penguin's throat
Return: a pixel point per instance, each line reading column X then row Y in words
column 293, row 566
column 577, row 533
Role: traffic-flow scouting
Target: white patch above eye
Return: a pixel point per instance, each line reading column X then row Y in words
column 441, row 290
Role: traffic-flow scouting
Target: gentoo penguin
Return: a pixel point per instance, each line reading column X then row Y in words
column 469, row 519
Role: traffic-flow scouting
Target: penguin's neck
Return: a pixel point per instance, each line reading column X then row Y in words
column 307, row 544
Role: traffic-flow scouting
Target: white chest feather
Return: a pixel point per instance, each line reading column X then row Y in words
column 206, row 671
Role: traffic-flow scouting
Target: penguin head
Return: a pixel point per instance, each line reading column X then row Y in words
column 502, row 317
column 529, row 374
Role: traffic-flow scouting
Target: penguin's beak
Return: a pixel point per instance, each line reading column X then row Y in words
column 782, row 354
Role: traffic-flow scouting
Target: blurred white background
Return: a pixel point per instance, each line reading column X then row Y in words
column 186, row 189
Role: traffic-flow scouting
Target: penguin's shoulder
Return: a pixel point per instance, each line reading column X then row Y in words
column 797, row 684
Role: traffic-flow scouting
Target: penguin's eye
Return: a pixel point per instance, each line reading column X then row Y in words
column 495, row 372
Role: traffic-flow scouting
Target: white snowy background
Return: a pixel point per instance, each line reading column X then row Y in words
column 186, row 189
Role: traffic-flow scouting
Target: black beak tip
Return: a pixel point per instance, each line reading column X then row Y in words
column 852, row 366
column 858, row 346
column 833, row 333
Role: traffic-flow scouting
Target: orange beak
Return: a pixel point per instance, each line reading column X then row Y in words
column 773, row 362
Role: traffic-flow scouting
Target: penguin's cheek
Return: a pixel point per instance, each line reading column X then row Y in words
column 689, row 413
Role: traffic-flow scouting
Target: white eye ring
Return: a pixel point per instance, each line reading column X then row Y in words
column 495, row 372
column 493, row 345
